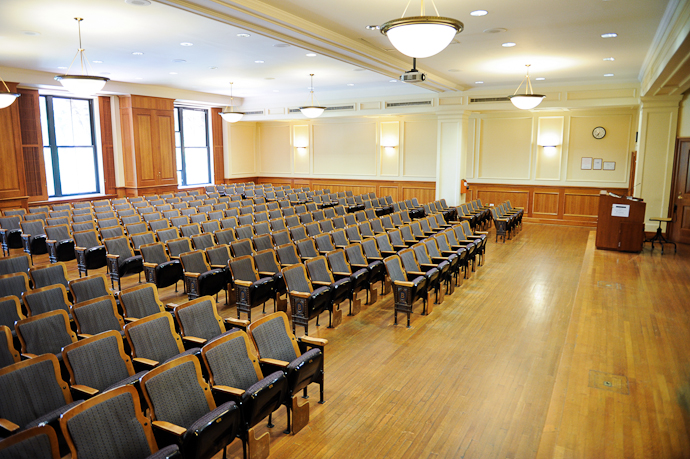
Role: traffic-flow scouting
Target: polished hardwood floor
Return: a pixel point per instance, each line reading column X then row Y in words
column 551, row 349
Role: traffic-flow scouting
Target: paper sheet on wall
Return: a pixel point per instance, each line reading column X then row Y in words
column 620, row 210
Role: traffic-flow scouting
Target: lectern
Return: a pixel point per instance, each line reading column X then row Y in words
column 621, row 223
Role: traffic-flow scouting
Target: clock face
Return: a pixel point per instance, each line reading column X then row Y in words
column 599, row 132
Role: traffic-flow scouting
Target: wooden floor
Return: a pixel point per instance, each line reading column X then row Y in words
column 552, row 349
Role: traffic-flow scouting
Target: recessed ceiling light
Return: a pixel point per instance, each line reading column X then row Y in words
column 495, row 30
column 138, row 53
column 186, row 43
column 213, row 68
column 510, row 44
column 179, row 61
column 31, row 33
column 281, row 45
column 608, row 74
column 138, row 2
column 243, row 35
column 371, row 27
column 609, row 59
column 97, row 62
column 540, row 79
column 350, row 84
column 258, row 62
column 311, row 54
column 609, row 35
column 479, row 13
column 453, row 70
column 173, row 73
column 478, row 82
column 392, row 81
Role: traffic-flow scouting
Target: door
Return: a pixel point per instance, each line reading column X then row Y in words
column 680, row 202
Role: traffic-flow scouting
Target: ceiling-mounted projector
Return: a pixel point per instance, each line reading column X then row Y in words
column 414, row 75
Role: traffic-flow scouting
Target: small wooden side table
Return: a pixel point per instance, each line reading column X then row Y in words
column 659, row 237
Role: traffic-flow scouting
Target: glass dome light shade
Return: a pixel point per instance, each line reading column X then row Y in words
column 83, row 85
column 312, row 112
column 231, row 117
column 7, row 98
column 421, row 36
column 526, row 101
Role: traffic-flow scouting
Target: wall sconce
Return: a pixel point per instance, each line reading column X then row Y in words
column 302, row 151
column 549, row 150
column 390, row 149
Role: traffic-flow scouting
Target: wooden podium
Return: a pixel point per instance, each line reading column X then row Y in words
column 621, row 223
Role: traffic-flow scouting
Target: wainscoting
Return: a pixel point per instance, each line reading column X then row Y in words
column 546, row 204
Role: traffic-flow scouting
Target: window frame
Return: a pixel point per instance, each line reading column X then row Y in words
column 182, row 169
column 54, row 154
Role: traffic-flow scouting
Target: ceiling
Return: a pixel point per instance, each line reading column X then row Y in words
column 561, row 39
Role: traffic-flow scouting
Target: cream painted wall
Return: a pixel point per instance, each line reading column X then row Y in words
column 505, row 149
column 684, row 117
column 241, row 142
column 345, row 148
column 420, row 148
column 274, row 148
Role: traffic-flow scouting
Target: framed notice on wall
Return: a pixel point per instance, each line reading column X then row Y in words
column 586, row 164
column 609, row 165
column 596, row 164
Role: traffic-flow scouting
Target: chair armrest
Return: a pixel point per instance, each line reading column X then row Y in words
column 218, row 266
column 324, row 284
column 427, row 265
column 171, row 306
column 481, row 232
column 150, row 265
column 229, row 390
column 51, row 241
column 344, row 274
column 275, row 362
column 438, row 259
column 418, row 273
column 266, row 273
column 86, row 390
column 131, row 319
column 8, row 425
column 316, row 342
column 25, row 235
column 83, row 335
column 297, row 294
column 243, row 283
column 28, row 356
column 146, row 362
column 80, row 249
column 240, row 323
column 193, row 275
column 113, row 257
column 358, row 266
column 169, row 427
column 404, row 283
column 194, row 339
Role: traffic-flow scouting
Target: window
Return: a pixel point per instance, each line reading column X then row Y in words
column 191, row 142
column 69, row 146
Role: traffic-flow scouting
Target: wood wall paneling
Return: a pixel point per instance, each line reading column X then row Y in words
column 581, row 204
column 106, row 123
column 423, row 194
column 217, row 145
column 518, row 198
column 12, row 177
column 545, row 203
column 391, row 191
column 167, row 166
column 32, row 145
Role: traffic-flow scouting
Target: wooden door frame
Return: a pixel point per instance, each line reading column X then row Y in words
column 672, row 198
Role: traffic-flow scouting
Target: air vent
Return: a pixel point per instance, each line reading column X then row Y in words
column 294, row 110
column 255, row 112
column 479, row 100
column 333, row 108
column 415, row 103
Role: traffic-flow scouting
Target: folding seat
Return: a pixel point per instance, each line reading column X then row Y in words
column 8, row 353
column 444, row 248
column 153, row 341
column 416, row 228
column 131, row 437
column 45, row 333
column 129, row 216
column 180, row 194
column 121, row 260
column 33, row 238
column 36, row 443
column 261, row 215
column 188, row 211
column 252, row 289
column 205, row 209
column 242, row 247
column 340, row 290
column 181, row 205
column 329, row 212
column 190, row 230
column 387, row 222
column 114, row 231
column 159, row 269
column 15, row 212
column 198, row 218
column 43, row 276
column 88, row 288
column 226, row 236
column 203, row 241
column 261, row 228
column 89, row 251
column 413, row 268
column 383, row 244
column 324, row 243
column 340, row 239
column 167, row 234
column 406, row 235
column 34, row 394
column 229, row 221
column 307, row 249
column 292, row 221
column 326, row 225
column 10, row 233
column 156, row 202
column 140, row 301
column 353, row 234
column 370, row 214
column 138, row 240
column 97, row 316
column 170, row 213
column 360, row 216
column 246, row 216
column 39, row 210
column 81, row 218
column 374, row 265
column 281, row 237
column 83, row 226
column 307, row 303
column 178, row 246
column 46, row 299
column 359, row 279
column 263, row 242
column 313, row 229
column 244, row 383
column 425, row 223
column 376, row 226
column 176, row 222
column 407, row 288
column 199, row 321
column 470, row 246
column 442, row 265
column 107, row 219
column 290, row 212
column 301, row 360
column 298, row 233
column 15, row 264
column 350, row 220
column 244, row 232
column 193, row 193
column 338, row 223
column 287, row 255
column 136, row 228
column 10, row 312
column 200, row 279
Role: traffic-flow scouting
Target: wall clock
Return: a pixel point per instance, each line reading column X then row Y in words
column 598, row 132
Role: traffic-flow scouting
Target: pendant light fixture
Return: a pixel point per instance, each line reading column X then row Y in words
column 421, row 36
column 526, row 101
column 312, row 111
column 7, row 98
column 231, row 116
column 84, row 84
